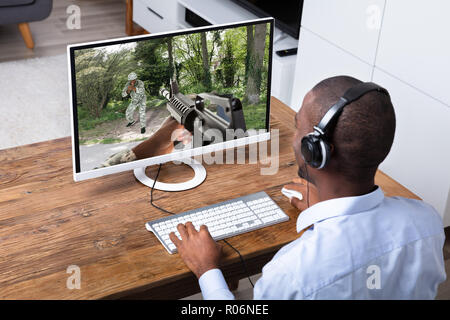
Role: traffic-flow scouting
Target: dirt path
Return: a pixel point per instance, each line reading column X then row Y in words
column 116, row 131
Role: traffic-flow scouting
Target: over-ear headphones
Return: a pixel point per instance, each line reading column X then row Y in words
column 315, row 146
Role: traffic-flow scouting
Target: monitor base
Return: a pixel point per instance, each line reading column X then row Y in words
column 199, row 177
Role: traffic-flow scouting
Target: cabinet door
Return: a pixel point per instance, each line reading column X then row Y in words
column 167, row 9
column 414, row 45
column 150, row 19
column 420, row 156
column 317, row 60
column 349, row 24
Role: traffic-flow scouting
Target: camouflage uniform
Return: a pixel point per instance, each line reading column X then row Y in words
column 138, row 100
column 123, row 156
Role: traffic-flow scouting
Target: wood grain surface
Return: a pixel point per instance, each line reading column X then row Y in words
column 48, row 222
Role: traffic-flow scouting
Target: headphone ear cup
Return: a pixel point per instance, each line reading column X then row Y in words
column 311, row 150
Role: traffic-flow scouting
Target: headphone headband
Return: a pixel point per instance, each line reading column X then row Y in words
column 349, row 96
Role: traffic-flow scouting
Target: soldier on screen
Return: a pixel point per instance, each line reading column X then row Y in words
column 135, row 88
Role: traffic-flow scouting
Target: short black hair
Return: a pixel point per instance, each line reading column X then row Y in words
column 364, row 132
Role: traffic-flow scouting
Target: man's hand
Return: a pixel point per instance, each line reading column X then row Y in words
column 161, row 142
column 300, row 185
column 131, row 88
column 198, row 250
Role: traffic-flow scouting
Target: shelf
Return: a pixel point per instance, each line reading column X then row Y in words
column 218, row 11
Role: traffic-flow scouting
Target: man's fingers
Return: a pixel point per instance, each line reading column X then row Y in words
column 182, row 230
column 185, row 137
column 299, row 180
column 174, row 239
column 299, row 204
column 186, row 140
column 190, row 228
column 204, row 229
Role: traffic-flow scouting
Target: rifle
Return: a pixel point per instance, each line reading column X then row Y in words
column 197, row 118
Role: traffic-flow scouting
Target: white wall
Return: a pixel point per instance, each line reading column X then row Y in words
column 401, row 45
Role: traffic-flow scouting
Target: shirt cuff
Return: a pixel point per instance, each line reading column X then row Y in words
column 213, row 286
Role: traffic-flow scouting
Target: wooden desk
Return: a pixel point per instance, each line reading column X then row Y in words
column 48, row 222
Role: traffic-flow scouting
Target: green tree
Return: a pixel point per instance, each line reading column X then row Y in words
column 256, row 59
column 96, row 75
column 229, row 64
column 154, row 66
column 205, row 63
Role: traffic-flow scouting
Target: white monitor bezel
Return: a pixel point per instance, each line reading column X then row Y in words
column 95, row 173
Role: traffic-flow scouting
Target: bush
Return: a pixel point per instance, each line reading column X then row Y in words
column 113, row 110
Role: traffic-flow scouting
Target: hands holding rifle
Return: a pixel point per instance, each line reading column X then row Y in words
column 131, row 88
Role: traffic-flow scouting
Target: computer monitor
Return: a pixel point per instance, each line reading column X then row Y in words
column 213, row 81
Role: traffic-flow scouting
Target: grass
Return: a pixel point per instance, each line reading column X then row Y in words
column 108, row 141
column 113, row 110
column 255, row 116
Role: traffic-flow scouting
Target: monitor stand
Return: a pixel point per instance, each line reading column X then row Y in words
column 199, row 177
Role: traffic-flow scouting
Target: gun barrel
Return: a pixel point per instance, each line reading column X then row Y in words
column 165, row 93
column 180, row 109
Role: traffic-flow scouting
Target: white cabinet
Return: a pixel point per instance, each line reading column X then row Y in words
column 318, row 59
column 283, row 77
column 414, row 45
column 410, row 56
column 216, row 11
column 420, row 156
column 155, row 15
column 352, row 25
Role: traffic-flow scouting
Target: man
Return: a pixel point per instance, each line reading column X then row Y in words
column 135, row 88
column 357, row 243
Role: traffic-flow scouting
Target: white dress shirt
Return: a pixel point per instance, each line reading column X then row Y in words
column 364, row 247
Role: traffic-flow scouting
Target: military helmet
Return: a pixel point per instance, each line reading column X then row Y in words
column 132, row 76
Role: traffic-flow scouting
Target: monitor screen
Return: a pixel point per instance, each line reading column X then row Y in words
column 204, row 82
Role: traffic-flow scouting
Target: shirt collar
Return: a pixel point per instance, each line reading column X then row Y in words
column 339, row 207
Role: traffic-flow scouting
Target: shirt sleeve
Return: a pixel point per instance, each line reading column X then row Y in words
column 138, row 95
column 213, row 286
column 140, row 89
column 124, row 91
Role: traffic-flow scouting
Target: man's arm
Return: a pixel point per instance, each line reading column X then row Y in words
column 213, row 286
column 202, row 254
column 125, row 90
column 161, row 142
column 140, row 88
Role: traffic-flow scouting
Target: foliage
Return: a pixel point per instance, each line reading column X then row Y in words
column 114, row 110
column 97, row 72
column 255, row 116
column 154, row 68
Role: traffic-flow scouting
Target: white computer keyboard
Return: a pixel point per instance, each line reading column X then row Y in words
column 224, row 219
